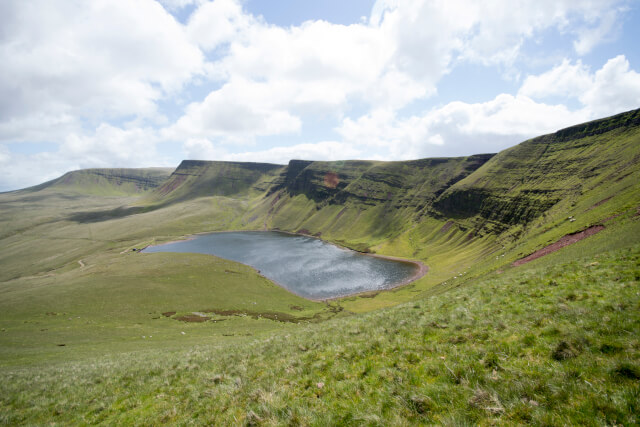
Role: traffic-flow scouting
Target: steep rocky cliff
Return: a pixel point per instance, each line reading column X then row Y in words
column 521, row 183
column 197, row 178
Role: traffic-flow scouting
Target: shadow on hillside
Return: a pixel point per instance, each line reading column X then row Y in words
column 107, row 214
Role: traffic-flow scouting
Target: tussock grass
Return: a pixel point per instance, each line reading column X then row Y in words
column 86, row 338
column 547, row 345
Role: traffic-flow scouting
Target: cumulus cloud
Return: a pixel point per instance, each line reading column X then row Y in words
column 615, row 88
column 600, row 27
column 238, row 111
column 107, row 146
column 396, row 58
column 98, row 77
column 430, row 33
column 218, row 22
column 460, row 128
column 565, row 79
column 325, row 150
column 88, row 61
column 611, row 89
column 457, row 128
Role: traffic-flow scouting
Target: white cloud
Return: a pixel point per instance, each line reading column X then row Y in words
column 325, row 150
column 458, row 128
column 237, row 112
column 218, row 22
column 178, row 4
column 72, row 69
column 604, row 24
column 429, row 34
column 615, row 88
column 563, row 80
column 201, row 149
column 111, row 145
column 89, row 60
column 108, row 146
column 612, row 89
column 398, row 57
column 5, row 155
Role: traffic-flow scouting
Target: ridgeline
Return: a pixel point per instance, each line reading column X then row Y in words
column 529, row 312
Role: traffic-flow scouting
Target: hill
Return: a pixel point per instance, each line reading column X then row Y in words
column 107, row 182
column 195, row 178
column 503, row 329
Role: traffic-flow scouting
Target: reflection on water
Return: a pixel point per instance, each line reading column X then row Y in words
column 306, row 266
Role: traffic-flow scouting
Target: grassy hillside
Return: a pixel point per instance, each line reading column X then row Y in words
column 106, row 182
column 525, row 181
column 549, row 345
column 193, row 179
column 182, row 338
column 359, row 203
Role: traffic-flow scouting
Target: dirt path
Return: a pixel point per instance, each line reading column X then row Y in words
column 567, row 240
column 81, row 264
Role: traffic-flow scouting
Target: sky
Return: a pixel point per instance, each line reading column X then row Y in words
column 141, row 83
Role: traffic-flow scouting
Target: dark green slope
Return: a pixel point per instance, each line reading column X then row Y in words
column 358, row 202
column 111, row 181
column 521, row 183
column 196, row 178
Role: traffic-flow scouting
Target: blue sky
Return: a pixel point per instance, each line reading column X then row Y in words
column 140, row 83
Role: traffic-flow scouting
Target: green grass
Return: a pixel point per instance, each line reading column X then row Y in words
column 107, row 182
column 112, row 302
column 549, row 345
column 475, row 341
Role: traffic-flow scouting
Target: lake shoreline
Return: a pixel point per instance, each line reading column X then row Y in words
column 421, row 268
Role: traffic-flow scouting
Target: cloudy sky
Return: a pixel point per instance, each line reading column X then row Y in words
column 136, row 83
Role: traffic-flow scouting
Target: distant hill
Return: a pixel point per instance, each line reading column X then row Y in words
column 111, row 181
column 528, row 313
column 198, row 178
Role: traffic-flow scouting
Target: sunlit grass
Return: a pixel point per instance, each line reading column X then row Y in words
column 552, row 345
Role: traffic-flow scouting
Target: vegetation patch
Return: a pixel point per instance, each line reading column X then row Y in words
column 404, row 365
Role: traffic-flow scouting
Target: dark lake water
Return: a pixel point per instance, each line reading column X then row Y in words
column 306, row 266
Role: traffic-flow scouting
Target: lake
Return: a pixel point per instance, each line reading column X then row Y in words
column 306, row 266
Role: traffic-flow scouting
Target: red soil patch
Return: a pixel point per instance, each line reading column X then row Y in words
column 567, row 240
column 611, row 218
column 172, row 185
column 601, row 202
column 331, row 180
column 446, row 227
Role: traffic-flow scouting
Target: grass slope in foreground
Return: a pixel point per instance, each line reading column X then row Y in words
column 550, row 346
column 529, row 345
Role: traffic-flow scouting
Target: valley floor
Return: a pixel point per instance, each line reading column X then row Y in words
column 546, row 345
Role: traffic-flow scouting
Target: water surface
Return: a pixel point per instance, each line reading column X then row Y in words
column 304, row 265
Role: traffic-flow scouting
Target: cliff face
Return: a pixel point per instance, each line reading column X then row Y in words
column 521, row 183
column 196, row 178
column 355, row 200
column 412, row 183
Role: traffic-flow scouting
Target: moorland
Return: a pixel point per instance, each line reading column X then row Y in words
column 530, row 311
